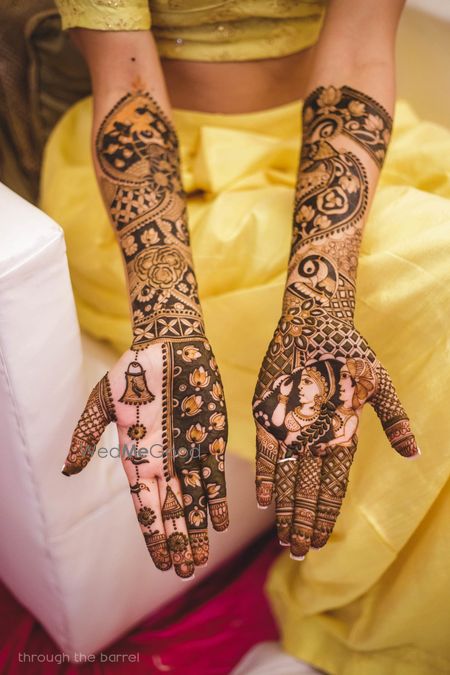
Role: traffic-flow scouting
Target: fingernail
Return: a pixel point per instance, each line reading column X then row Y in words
column 283, row 543
column 187, row 578
column 296, row 557
column 262, row 508
column 418, row 453
column 65, row 471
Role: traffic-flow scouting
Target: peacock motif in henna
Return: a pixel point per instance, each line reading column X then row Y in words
column 319, row 371
column 137, row 152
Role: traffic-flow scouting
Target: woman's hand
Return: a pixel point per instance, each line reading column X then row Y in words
column 307, row 437
column 167, row 401
column 305, row 453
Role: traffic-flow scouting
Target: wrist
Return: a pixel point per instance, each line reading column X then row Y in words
column 317, row 278
column 168, row 317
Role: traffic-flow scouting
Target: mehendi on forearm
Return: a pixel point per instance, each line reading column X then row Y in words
column 316, row 354
column 137, row 150
column 139, row 171
column 332, row 194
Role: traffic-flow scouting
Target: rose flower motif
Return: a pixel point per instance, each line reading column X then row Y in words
column 196, row 433
column 160, row 266
column 192, row 405
column 199, row 377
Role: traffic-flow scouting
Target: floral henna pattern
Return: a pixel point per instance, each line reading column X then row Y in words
column 199, row 440
column 318, row 371
column 139, row 172
column 330, row 111
column 137, row 149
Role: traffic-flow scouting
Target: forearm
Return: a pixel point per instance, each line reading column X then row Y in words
column 346, row 130
column 136, row 158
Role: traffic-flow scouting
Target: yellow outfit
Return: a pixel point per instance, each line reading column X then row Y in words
column 374, row 600
column 206, row 30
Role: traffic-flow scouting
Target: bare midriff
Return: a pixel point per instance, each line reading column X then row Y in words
column 237, row 87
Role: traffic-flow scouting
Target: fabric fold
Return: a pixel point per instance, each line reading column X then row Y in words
column 348, row 608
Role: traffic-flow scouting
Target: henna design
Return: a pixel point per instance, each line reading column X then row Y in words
column 137, row 432
column 98, row 413
column 146, row 516
column 319, row 371
column 137, row 391
column 266, row 461
column 178, row 544
column 332, row 111
column 333, row 486
column 157, row 547
column 136, row 488
column 392, row 415
column 199, row 441
column 172, row 509
column 331, row 192
column 137, row 152
column 286, row 471
column 156, row 541
column 306, row 495
column 137, row 149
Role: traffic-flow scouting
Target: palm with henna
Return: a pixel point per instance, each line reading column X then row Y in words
column 319, row 372
column 165, row 393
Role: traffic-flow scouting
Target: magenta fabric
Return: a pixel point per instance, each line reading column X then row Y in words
column 205, row 632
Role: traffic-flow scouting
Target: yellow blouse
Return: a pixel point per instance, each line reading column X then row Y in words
column 206, row 30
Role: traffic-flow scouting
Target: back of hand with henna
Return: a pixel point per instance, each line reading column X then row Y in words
column 319, row 371
column 165, row 393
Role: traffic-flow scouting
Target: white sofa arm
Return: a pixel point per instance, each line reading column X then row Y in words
column 40, row 386
column 71, row 548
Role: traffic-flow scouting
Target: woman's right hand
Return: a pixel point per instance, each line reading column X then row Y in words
column 316, row 377
column 167, row 401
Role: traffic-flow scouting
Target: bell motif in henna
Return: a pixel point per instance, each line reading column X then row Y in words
column 171, row 509
column 136, row 390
